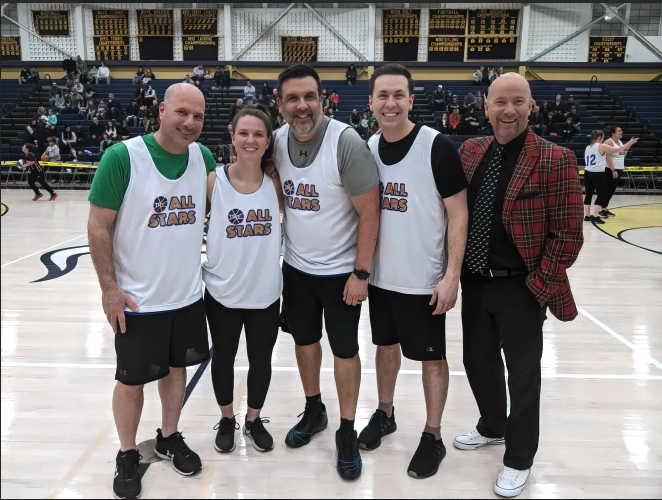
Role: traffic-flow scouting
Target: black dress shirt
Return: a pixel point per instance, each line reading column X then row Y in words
column 502, row 253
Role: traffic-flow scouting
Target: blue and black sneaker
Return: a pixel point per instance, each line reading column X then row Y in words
column 349, row 457
column 314, row 420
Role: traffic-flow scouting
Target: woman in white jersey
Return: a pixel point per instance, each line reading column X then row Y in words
column 242, row 273
column 617, row 164
column 595, row 179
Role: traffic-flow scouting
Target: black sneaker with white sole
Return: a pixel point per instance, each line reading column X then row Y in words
column 428, row 457
column 350, row 464
column 314, row 420
column 224, row 442
column 258, row 435
column 173, row 448
column 127, row 483
column 380, row 425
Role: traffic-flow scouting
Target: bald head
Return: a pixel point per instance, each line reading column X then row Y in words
column 179, row 90
column 508, row 106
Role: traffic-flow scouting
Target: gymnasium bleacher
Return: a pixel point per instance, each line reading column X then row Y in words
column 634, row 106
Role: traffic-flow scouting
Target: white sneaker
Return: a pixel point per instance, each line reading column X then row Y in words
column 511, row 482
column 474, row 440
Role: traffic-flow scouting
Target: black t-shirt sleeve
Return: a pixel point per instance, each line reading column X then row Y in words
column 447, row 167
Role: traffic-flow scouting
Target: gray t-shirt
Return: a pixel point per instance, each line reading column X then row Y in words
column 356, row 165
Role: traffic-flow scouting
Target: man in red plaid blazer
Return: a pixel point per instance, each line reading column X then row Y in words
column 525, row 231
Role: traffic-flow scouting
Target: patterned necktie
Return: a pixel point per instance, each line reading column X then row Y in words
column 479, row 232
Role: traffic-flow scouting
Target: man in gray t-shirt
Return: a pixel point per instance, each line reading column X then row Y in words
column 327, row 233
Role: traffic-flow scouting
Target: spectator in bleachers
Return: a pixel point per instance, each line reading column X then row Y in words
column 470, row 100
column 478, row 76
column 76, row 100
column 132, row 113
column 138, row 79
column 574, row 116
column 443, row 125
column 110, row 130
column 350, row 75
column 154, row 108
column 249, row 92
column 558, row 108
column 492, row 74
column 328, row 112
column 68, row 140
column 570, row 103
column 569, row 130
column 454, row 120
column 103, row 73
column 81, row 66
column 34, row 75
column 148, row 76
column 104, row 144
column 235, row 108
column 31, row 132
column 60, row 105
column 102, row 109
column 226, row 137
column 92, row 108
column 122, row 130
column 52, row 133
column 267, row 94
column 54, row 91
column 552, row 127
column 83, row 108
column 93, row 74
column 188, row 79
column 89, row 91
column 335, row 99
column 198, row 74
column 438, row 99
column 149, row 126
column 480, row 101
column 53, row 151
column 218, row 76
column 40, row 115
column 273, row 113
column 140, row 96
column 373, row 128
column 114, row 108
column 537, row 122
column 23, row 77
column 96, row 130
column 469, row 125
column 354, row 119
column 52, row 117
column 150, row 97
column 71, row 80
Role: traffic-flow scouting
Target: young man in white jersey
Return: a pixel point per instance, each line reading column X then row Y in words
column 418, row 258
column 616, row 163
column 330, row 183
column 147, row 208
column 242, row 273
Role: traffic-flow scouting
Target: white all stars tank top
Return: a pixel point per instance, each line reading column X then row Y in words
column 157, row 234
column 243, row 246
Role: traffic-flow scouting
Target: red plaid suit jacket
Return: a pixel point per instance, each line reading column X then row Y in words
column 543, row 214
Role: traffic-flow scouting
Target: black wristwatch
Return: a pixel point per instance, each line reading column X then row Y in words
column 362, row 275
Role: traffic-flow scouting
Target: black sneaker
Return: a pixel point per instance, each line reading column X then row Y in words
column 603, row 214
column 314, row 420
column 349, row 457
column 587, row 218
column 224, row 442
column 428, row 457
column 126, row 483
column 255, row 431
column 597, row 220
column 173, row 448
column 609, row 213
column 380, row 425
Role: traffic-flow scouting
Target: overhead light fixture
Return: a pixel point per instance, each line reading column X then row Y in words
column 607, row 18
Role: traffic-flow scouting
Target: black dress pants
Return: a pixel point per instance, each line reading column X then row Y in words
column 502, row 313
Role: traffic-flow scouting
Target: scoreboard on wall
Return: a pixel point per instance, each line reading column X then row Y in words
column 400, row 31
column 607, row 49
column 11, row 48
column 299, row 48
column 51, row 22
column 200, row 48
column 155, row 39
column 200, row 22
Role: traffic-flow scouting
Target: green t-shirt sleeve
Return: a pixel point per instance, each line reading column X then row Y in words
column 111, row 179
column 210, row 162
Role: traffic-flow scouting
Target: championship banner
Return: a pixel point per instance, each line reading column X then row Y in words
column 299, row 48
column 200, row 48
column 112, row 48
column 51, row 22
column 155, row 22
column 607, row 49
column 447, row 22
column 111, row 22
column 488, row 48
column 400, row 31
column 11, row 48
column 446, row 48
column 493, row 22
column 200, row 22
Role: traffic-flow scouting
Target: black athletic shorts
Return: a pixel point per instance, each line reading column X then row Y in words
column 154, row 342
column 306, row 297
column 407, row 319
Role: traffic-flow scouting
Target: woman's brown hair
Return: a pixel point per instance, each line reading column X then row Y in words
column 596, row 134
column 258, row 111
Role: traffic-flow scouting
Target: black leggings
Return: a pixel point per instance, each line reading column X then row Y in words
column 225, row 325
column 596, row 181
column 612, row 183
column 33, row 177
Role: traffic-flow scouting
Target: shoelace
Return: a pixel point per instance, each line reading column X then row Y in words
column 474, row 435
column 510, row 475
column 124, row 466
column 229, row 422
column 181, row 446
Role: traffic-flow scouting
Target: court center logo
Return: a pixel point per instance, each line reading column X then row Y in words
column 3, row 209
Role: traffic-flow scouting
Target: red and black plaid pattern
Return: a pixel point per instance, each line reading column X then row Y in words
column 543, row 213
